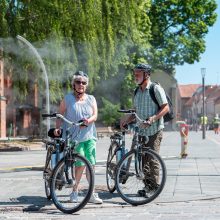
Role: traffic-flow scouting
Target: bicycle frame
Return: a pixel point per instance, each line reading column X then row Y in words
column 54, row 146
column 141, row 174
column 136, row 145
column 119, row 138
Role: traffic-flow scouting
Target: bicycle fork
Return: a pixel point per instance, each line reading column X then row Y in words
column 139, row 164
column 69, row 164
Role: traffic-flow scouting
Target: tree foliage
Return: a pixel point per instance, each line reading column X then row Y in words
column 178, row 31
column 105, row 38
column 109, row 114
column 96, row 36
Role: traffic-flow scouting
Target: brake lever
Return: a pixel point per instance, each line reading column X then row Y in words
column 82, row 121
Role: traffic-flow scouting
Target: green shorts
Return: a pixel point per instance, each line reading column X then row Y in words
column 88, row 150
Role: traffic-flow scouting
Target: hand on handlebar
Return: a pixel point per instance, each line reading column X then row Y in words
column 148, row 122
column 85, row 123
column 125, row 120
column 145, row 124
column 124, row 126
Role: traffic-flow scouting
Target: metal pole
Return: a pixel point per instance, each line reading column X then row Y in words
column 203, row 103
column 203, row 108
column 44, row 72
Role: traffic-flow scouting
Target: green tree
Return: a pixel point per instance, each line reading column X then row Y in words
column 3, row 21
column 178, row 31
column 108, row 113
column 97, row 36
column 106, row 37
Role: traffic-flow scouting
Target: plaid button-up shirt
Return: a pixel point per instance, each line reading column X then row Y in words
column 145, row 107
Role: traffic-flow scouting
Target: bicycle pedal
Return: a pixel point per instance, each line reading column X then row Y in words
column 142, row 193
column 69, row 184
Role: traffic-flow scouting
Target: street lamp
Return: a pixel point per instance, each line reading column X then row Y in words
column 203, row 71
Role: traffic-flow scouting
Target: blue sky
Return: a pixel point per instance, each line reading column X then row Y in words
column 210, row 59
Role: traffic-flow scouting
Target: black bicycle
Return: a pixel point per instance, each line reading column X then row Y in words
column 115, row 152
column 141, row 173
column 63, row 178
column 54, row 151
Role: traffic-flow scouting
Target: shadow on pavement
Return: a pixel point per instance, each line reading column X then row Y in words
column 31, row 203
column 107, row 197
column 111, row 198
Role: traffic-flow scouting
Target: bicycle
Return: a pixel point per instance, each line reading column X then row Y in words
column 63, row 177
column 134, row 179
column 115, row 152
column 53, row 148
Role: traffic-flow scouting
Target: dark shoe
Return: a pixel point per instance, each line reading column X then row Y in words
column 142, row 193
column 148, row 190
column 184, row 156
column 123, row 177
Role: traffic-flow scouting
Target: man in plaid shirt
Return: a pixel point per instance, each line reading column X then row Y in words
column 149, row 111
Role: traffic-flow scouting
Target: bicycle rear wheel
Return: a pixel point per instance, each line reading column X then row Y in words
column 111, row 166
column 47, row 175
column 136, row 187
column 63, row 181
column 47, row 188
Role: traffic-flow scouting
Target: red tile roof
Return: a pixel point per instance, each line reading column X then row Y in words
column 186, row 91
column 217, row 101
column 190, row 101
column 213, row 93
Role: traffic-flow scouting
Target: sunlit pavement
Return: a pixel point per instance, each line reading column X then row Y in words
column 195, row 178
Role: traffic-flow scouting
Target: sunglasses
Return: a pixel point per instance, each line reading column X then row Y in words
column 81, row 82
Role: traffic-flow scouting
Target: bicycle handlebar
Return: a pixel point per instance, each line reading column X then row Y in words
column 133, row 112
column 49, row 115
column 127, row 111
column 58, row 115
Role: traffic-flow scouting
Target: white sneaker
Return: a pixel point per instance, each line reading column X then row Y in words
column 74, row 197
column 95, row 199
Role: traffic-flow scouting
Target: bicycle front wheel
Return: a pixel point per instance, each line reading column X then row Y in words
column 135, row 184
column 64, row 182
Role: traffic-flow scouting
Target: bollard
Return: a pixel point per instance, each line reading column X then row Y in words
column 184, row 131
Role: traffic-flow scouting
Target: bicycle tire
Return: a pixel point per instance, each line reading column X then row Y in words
column 61, row 200
column 127, row 179
column 47, row 176
column 47, row 189
column 111, row 166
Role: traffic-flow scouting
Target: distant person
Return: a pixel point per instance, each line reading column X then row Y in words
column 184, row 132
column 204, row 120
column 78, row 105
column 216, row 122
